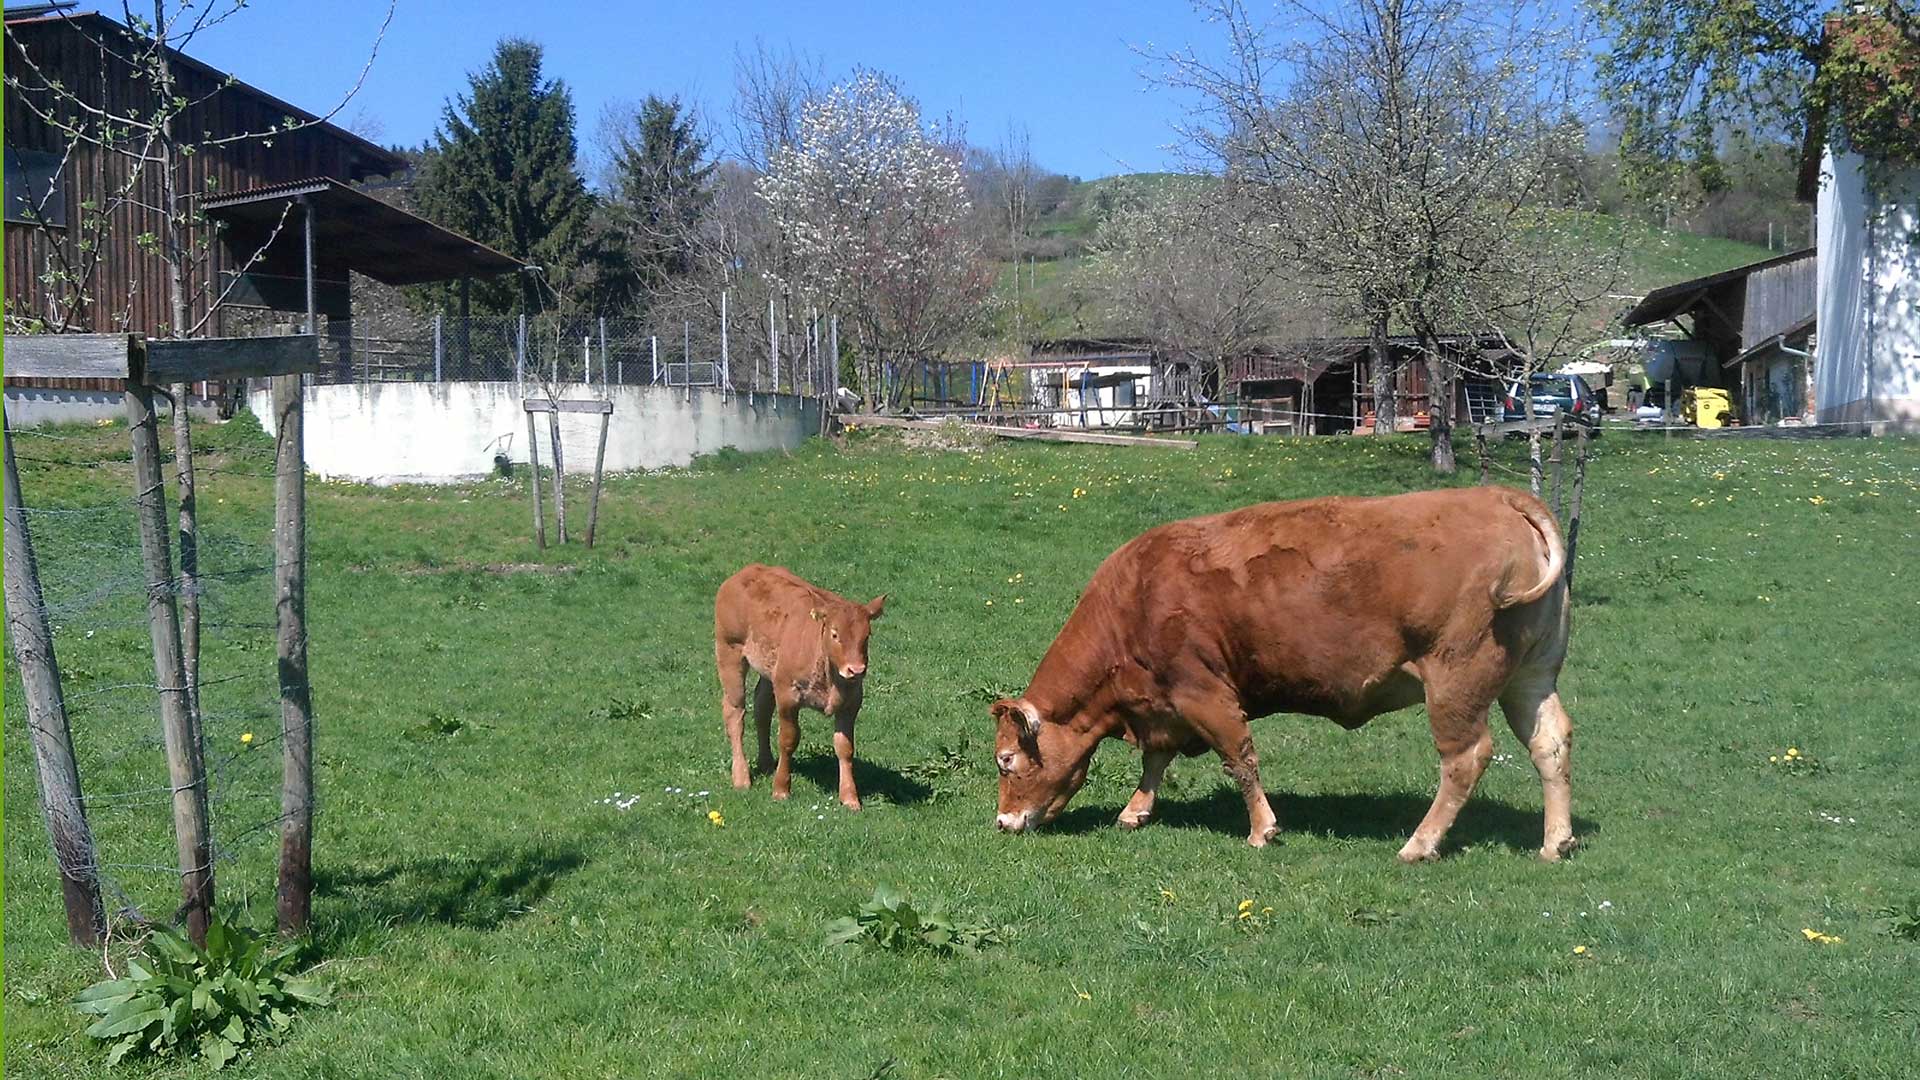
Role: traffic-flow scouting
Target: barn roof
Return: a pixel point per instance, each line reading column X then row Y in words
column 1681, row 298
column 353, row 231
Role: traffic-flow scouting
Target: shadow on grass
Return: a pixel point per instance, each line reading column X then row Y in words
column 1355, row 817
column 478, row 892
column 872, row 779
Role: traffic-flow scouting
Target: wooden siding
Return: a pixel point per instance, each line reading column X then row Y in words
column 128, row 285
column 1779, row 298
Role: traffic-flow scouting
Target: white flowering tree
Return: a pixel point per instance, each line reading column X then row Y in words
column 872, row 212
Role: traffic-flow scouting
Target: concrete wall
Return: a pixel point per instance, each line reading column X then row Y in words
column 1868, row 358
column 432, row 433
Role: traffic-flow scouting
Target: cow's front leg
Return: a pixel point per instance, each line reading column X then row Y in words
column 843, row 749
column 1221, row 721
column 1460, row 734
column 789, row 741
column 1153, row 765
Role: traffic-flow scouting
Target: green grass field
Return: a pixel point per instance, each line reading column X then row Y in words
column 484, row 911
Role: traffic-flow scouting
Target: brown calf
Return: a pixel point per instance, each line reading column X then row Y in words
column 1344, row 608
column 810, row 648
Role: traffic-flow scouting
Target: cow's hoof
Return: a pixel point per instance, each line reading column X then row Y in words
column 1260, row 837
column 1133, row 819
column 851, row 804
column 741, row 780
column 1417, row 853
column 782, row 795
column 1554, row 852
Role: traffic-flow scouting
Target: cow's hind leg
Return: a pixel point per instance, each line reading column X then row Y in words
column 1534, row 713
column 731, row 663
column 1219, row 719
column 1153, row 765
column 763, row 723
column 1460, row 734
column 789, row 711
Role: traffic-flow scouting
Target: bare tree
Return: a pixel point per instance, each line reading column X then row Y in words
column 1398, row 146
column 872, row 209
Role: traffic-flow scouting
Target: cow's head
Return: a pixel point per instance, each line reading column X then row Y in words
column 1042, row 763
column 845, row 628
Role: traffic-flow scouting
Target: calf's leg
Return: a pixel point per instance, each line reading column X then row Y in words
column 1534, row 713
column 731, row 662
column 1460, row 734
column 789, row 739
column 1153, row 765
column 843, row 749
column 763, row 723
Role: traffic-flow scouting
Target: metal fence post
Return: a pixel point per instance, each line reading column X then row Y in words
column 653, row 348
column 726, row 363
column 603, row 351
column 437, row 353
column 520, row 353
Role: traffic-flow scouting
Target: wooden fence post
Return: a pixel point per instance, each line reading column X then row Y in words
column 295, row 900
column 60, row 799
column 599, row 466
column 533, row 484
column 1559, row 424
column 1573, row 520
column 1480, row 445
column 189, row 528
column 186, row 767
column 559, row 478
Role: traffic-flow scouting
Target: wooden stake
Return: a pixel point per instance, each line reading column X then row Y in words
column 1559, row 424
column 60, row 799
column 186, row 766
column 533, row 484
column 1480, row 445
column 189, row 554
column 599, row 465
column 1573, row 521
column 295, row 901
column 559, row 477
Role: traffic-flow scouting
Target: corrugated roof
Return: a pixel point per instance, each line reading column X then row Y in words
column 1673, row 301
column 354, row 231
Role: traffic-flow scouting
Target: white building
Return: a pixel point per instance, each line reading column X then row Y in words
column 1868, row 293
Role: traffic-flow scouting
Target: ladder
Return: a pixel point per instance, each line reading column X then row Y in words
column 1483, row 403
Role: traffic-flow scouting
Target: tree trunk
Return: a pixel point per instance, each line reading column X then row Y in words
column 1385, row 405
column 1440, row 405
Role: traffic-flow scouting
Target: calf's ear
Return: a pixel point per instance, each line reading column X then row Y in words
column 876, row 606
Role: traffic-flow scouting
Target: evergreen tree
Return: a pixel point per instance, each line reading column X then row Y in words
column 661, row 190
column 502, row 170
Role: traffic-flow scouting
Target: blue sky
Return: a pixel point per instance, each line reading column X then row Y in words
column 1062, row 67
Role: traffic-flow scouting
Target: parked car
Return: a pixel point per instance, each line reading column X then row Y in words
column 1569, row 394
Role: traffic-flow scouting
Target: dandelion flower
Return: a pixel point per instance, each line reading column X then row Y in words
column 1773, row 758
column 1793, row 751
column 1579, row 950
column 718, row 821
column 246, row 738
column 1166, row 895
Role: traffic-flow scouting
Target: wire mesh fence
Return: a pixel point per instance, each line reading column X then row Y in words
column 710, row 350
column 80, row 510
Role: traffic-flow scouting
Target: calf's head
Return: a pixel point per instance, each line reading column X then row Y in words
column 1042, row 764
column 845, row 628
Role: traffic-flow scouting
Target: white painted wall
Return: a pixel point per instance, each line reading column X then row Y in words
column 30, row 406
column 436, row 433
column 1867, row 364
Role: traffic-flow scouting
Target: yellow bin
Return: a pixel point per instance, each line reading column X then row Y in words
column 1708, row 407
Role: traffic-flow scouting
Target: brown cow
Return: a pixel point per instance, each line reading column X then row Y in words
column 810, row 648
column 1340, row 607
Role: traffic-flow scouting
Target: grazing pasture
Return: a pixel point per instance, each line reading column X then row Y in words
column 530, row 862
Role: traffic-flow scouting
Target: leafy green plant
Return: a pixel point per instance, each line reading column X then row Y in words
column 889, row 921
column 1903, row 921
column 437, row 725
column 621, row 709
column 184, row 999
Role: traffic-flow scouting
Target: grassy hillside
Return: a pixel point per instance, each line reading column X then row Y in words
column 1059, row 303
column 517, row 752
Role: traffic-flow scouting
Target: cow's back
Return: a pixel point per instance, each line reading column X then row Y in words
column 757, row 601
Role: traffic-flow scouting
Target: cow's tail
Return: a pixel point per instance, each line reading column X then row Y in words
column 1528, row 576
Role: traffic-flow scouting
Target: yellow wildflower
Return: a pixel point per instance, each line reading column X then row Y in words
column 246, row 738
column 1579, row 950
column 718, row 821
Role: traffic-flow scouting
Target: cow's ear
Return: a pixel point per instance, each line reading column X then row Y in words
column 877, row 606
column 1019, row 711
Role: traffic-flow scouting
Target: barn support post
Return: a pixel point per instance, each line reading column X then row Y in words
column 60, row 799
column 186, row 766
column 559, row 478
column 294, row 902
column 533, row 485
column 599, row 470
